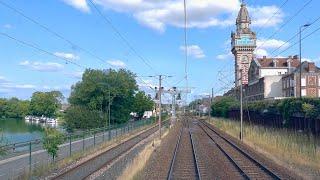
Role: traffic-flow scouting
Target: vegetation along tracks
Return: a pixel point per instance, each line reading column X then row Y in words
column 90, row 166
column 245, row 163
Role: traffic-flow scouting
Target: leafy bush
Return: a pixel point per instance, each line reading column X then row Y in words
column 51, row 141
column 299, row 107
column 80, row 117
column 221, row 107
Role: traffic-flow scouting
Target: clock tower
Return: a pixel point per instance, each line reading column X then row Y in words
column 243, row 44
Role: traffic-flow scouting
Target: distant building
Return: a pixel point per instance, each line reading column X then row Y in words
column 265, row 77
column 261, row 67
column 310, row 81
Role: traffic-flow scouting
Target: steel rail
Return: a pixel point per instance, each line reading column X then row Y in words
column 88, row 161
column 261, row 166
column 195, row 156
column 169, row 177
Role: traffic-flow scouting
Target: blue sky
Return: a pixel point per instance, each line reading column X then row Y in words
column 153, row 28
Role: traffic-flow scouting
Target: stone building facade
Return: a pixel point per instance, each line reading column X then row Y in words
column 310, row 81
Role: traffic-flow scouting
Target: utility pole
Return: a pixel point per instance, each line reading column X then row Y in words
column 109, row 108
column 300, row 30
column 241, row 108
column 211, row 102
column 160, row 88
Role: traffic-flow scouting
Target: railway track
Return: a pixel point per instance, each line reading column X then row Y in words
column 90, row 166
column 244, row 162
column 184, row 164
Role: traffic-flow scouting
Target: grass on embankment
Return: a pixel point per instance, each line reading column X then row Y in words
column 293, row 150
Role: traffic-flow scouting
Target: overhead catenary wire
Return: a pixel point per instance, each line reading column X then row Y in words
column 273, row 15
column 40, row 49
column 46, row 28
column 308, row 35
column 285, row 23
column 122, row 37
column 293, row 37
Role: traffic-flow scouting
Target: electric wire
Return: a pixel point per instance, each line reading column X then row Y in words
column 46, row 28
column 118, row 33
column 39, row 49
column 273, row 15
column 293, row 37
column 286, row 23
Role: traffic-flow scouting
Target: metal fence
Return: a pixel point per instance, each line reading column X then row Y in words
column 24, row 157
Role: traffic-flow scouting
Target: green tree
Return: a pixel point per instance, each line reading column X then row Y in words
column 3, row 103
column 15, row 108
column 51, row 141
column 142, row 103
column 98, row 88
column 45, row 103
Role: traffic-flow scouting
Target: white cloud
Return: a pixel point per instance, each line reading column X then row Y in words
column 78, row 4
column 117, row 63
column 264, row 45
column 266, row 16
column 17, row 86
column 271, row 43
column 59, row 88
column 194, row 51
column 224, row 56
column 68, row 56
column 8, row 26
column 261, row 52
column 76, row 74
column 158, row 14
column 3, row 79
column 40, row 66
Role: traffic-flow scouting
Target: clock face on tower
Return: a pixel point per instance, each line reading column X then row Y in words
column 244, row 40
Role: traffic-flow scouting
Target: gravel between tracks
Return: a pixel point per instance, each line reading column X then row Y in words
column 213, row 164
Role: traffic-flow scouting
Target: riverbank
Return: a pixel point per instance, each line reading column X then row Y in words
column 294, row 150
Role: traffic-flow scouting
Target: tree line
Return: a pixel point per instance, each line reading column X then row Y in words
column 41, row 103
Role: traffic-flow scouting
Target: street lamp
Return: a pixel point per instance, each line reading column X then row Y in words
column 300, row 30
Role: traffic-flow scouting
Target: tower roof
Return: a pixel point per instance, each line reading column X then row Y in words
column 243, row 16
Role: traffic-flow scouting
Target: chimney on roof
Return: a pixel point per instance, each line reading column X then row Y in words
column 311, row 67
column 274, row 62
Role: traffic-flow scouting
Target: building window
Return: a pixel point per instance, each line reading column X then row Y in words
column 303, row 92
column 312, row 80
column 292, row 83
column 303, row 81
column 279, row 73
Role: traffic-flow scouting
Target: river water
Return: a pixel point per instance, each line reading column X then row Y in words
column 17, row 130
